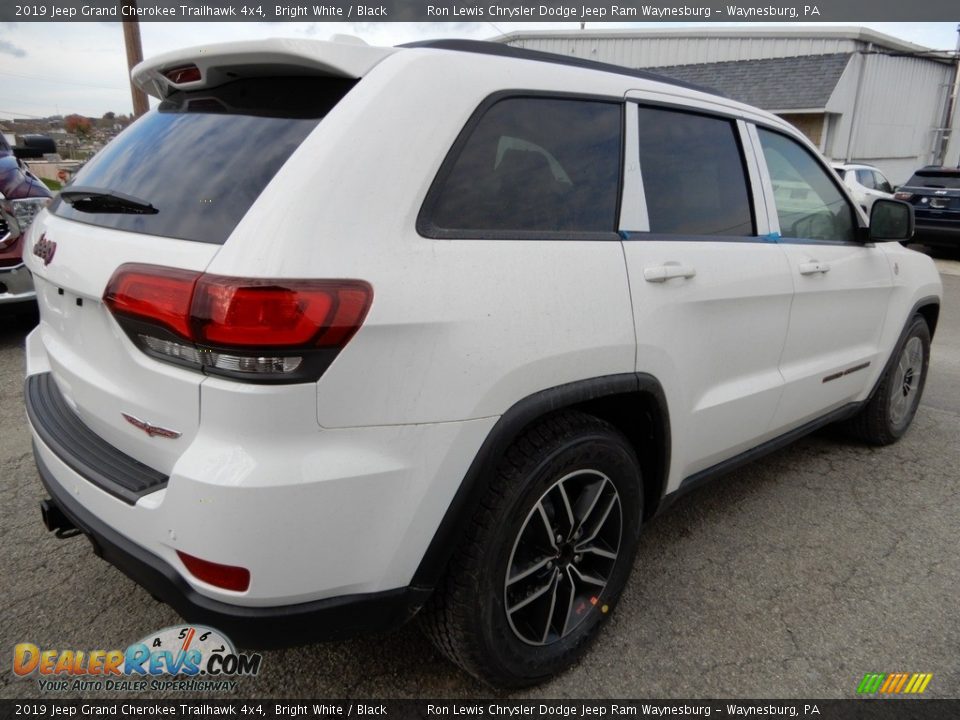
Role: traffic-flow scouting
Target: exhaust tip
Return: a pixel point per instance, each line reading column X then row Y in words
column 54, row 520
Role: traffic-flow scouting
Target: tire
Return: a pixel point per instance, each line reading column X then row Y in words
column 562, row 586
column 888, row 414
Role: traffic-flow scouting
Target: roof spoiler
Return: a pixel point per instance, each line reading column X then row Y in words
column 221, row 63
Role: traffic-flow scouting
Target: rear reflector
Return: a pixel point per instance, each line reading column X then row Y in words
column 264, row 330
column 228, row 577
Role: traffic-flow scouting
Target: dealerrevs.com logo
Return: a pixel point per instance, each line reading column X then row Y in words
column 188, row 658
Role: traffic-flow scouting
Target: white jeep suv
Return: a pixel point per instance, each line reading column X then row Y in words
column 339, row 334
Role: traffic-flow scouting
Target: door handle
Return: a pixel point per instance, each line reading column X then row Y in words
column 812, row 268
column 662, row 273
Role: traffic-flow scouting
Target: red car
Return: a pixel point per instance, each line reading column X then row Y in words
column 22, row 196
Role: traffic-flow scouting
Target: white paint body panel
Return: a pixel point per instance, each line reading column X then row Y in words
column 337, row 487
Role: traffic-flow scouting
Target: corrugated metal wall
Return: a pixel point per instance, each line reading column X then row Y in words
column 646, row 52
column 901, row 100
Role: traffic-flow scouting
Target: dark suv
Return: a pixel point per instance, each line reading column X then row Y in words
column 22, row 196
column 934, row 192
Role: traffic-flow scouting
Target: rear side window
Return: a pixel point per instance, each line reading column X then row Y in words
column 531, row 165
column 865, row 178
column 203, row 157
column 693, row 174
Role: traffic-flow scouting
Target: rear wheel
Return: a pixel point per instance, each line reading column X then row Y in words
column 890, row 411
column 546, row 555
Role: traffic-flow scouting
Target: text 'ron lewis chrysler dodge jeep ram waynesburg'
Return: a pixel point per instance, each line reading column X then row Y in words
column 338, row 334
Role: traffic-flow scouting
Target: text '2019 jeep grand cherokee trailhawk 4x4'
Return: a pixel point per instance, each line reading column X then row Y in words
column 338, row 334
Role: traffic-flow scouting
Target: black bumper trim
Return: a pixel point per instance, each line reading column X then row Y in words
column 249, row 627
column 83, row 450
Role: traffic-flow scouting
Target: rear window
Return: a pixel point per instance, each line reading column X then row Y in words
column 203, row 157
column 935, row 180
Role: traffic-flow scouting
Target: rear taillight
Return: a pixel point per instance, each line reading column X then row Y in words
column 901, row 195
column 254, row 329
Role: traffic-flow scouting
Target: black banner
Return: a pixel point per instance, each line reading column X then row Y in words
column 191, row 709
column 498, row 11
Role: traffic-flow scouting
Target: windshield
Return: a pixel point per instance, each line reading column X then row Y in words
column 203, row 157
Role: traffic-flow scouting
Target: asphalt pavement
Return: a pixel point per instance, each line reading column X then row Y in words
column 792, row 577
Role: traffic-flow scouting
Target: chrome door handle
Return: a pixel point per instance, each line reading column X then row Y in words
column 812, row 268
column 662, row 273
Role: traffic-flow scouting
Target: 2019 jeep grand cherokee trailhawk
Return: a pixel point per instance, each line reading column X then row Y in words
column 338, row 334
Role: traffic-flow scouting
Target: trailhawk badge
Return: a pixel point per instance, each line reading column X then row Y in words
column 151, row 430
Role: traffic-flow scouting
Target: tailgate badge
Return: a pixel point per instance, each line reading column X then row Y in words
column 44, row 249
column 151, row 430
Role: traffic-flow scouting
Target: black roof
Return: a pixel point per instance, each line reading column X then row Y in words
column 482, row 47
column 800, row 82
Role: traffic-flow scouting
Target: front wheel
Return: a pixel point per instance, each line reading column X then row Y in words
column 890, row 411
column 546, row 555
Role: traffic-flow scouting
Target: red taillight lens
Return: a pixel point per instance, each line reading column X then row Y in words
column 238, row 326
column 182, row 74
column 153, row 294
column 236, row 313
column 228, row 577
column 901, row 195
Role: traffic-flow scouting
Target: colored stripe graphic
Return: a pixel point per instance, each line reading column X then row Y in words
column 894, row 683
column 871, row 683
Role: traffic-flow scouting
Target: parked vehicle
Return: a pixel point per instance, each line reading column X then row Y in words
column 465, row 320
column 934, row 193
column 866, row 183
column 35, row 146
column 22, row 196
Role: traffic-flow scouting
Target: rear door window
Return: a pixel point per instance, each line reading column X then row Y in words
column 531, row 165
column 865, row 178
column 203, row 157
column 694, row 178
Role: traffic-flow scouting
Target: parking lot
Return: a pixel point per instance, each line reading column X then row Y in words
column 790, row 578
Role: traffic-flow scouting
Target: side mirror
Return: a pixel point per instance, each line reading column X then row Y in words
column 891, row 220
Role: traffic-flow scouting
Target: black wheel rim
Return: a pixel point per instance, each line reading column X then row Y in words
column 904, row 391
column 563, row 557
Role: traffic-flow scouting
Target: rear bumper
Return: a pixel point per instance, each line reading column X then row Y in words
column 945, row 234
column 16, row 285
column 252, row 627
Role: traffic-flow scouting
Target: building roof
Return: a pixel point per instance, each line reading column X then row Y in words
column 847, row 32
column 805, row 82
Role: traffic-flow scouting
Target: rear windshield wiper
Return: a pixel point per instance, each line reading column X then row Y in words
column 95, row 200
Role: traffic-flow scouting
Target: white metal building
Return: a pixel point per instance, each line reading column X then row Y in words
column 860, row 95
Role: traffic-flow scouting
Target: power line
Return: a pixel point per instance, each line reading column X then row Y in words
column 14, row 113
column 495, row 27
column 61, row 82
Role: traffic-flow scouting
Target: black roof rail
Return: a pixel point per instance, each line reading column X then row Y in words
column 484, row 47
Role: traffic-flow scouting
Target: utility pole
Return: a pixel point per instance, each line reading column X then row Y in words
column 951, row 127
column 131, row 38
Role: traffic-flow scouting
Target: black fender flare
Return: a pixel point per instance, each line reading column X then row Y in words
column 511, row 424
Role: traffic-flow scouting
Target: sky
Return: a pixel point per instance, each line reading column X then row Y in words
column 63, row 68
